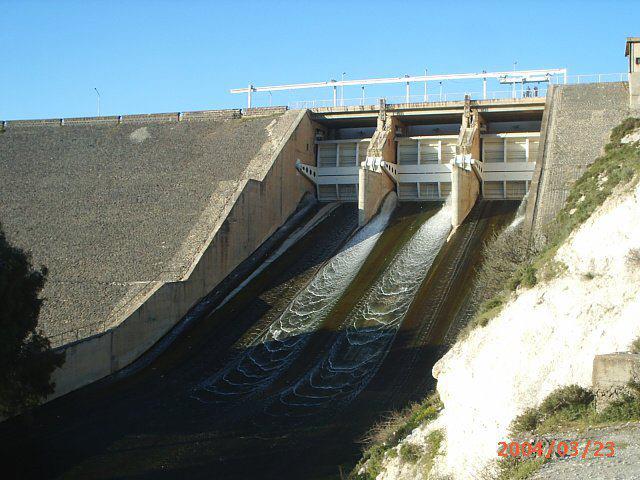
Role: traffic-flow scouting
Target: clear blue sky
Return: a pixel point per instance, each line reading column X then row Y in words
column 158, row 56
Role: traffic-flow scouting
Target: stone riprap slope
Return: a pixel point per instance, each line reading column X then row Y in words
column 578, row 126
column 111, row 209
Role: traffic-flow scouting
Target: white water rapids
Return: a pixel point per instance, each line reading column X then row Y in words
column 370, row 328
column 276, row 348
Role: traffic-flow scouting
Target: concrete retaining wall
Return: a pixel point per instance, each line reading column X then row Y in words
column 269, row 193
column 611, row 375
column 575, row 127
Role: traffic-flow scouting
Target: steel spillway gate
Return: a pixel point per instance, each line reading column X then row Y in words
column 508, row 162
column 424, row 167
column 337, row 168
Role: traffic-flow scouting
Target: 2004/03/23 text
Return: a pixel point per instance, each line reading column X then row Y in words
column 561, row 449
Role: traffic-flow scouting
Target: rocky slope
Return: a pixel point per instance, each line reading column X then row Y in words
column 544, row 338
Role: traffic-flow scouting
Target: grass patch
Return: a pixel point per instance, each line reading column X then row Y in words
column 573, row 407
column 410, row 452
column 513, row 259
column 518, row 468
column 434, row 443
column 382, row 439
column 619, row 165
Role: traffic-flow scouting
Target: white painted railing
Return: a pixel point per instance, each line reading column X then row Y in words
column 438, row 94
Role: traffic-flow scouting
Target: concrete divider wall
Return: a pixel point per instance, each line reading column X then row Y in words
column 465, row 184
column 373, row 183
column 268, row 194
column 465, row 188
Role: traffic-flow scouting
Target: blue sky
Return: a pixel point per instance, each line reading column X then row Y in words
column 162, row 56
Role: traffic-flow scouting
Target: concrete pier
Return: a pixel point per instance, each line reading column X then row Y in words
column 373, row 183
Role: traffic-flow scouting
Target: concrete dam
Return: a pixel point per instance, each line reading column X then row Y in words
column 243, row 293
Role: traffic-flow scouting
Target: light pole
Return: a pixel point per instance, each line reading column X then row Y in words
column 440, row 91
column 514, row 79
column 408, row 90
column 98, row 99
column 425, row 86
column 342, row 90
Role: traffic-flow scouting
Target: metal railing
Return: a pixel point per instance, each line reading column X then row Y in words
column 519, row 92
column 429, row 98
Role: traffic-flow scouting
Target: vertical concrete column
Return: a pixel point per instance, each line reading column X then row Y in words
column 373, row 182
column 634, row 92
column 632, row 51
column 465, row 181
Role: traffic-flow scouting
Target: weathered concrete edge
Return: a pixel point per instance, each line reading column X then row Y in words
column 165, row 304
column 228, row 204
column 218, row 207
column 221, row 114
column 291, row 231
column 534, row 188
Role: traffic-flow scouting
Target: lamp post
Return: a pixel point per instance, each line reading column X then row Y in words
column 342, row 90
column 98, row 93
column 425, row 86
column 514, row 79
column 408, row 91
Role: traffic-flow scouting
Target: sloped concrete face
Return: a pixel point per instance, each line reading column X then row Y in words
column 234, row 217
column 111, row 208
column 576, row 125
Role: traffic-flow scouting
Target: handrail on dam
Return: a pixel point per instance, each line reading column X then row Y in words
column 510, row 77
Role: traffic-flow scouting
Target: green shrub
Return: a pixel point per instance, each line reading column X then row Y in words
column 628, row 125
column 626, row 408
column 518, row 468
column 635, row 346
column 563, row 405
column 434, row 443
column 385, row 435
column 574, row 407
column 527, row 421
column 564, row 397
column 410, row 452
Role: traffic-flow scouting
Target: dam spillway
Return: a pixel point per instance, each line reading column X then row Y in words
column 303, row 411
column 243, row 361
column 369, row 329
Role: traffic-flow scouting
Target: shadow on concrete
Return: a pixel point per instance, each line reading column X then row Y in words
column 151, row 425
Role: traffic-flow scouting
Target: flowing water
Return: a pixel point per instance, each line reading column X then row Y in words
column 283, row 378
column 370, row 328
column 274, row 350
column 520, row 214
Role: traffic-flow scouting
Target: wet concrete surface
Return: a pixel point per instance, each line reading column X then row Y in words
column 151, row 425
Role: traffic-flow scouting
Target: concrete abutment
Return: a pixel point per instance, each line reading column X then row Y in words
column 373, row 182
